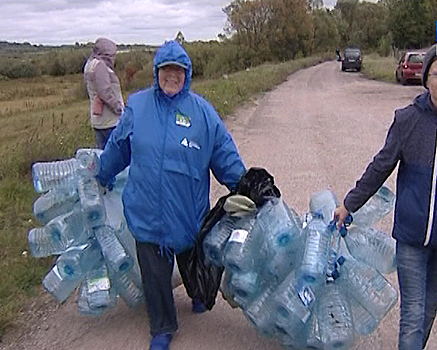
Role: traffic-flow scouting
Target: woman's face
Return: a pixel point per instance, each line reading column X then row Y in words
column 171, row 79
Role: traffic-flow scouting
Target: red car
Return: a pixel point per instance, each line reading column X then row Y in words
column 409, row 68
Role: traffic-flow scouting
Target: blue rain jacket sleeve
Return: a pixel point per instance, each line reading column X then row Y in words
column 117, row 153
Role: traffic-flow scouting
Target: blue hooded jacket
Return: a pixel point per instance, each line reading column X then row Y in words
column 170, row 143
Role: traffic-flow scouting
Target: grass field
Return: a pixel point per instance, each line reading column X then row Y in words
column 379, row 68
column 47, row 119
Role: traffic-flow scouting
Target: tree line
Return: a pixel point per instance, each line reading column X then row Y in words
column 259, row 31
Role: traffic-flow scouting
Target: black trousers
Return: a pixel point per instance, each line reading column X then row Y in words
column 156, row 271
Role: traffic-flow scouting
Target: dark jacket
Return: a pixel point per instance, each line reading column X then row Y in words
column 411, row 142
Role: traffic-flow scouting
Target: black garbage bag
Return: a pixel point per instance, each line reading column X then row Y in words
column 205, row 278
column 258, row 185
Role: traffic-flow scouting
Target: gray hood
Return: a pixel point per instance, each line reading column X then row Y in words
column 105, row 50
column 430, row 57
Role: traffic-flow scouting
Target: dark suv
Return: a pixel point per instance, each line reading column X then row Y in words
column 351, row 59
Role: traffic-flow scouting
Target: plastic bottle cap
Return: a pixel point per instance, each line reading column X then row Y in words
column 335, row 274
column 317, row 215
column 343, row 231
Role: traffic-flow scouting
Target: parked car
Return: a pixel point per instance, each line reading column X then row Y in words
column 351, row 59
column 409, row 67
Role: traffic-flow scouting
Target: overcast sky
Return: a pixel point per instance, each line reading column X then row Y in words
column 56, row 22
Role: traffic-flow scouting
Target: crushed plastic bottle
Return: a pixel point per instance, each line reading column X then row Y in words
column 373, row 247
column 91, row 201
column 50, row 175
column 243, row 250
column 376, row 208
column 59, row 287
column 324, row 203
column 335, row 319
column 78, row 260
column 99, row 292
column 116, row 257
column 54, row 203
column 215, row 242
column 368, row 286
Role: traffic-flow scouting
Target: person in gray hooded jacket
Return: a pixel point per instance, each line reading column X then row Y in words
column 103, row 86
column 411, row 142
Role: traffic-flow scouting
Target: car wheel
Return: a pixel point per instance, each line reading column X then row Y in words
column 343, row 68
column 397, row 77
column 359, row 69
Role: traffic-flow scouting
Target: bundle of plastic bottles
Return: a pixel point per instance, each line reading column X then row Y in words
column 300, row 280
column 86, row 229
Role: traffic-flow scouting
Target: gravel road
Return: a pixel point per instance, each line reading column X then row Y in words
column 317, row 130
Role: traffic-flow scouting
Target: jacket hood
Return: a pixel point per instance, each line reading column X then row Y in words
column 105, row 50
column 430, row 57
column 172, row 51
column 424, row 103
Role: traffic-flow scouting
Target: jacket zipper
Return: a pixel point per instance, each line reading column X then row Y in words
column 432, row 203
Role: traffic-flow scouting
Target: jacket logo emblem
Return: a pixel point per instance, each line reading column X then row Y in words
column 182, row 120
column 189, row 144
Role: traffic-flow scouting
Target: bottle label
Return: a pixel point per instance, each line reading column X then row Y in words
column 238, row 236
column 98, row 284
column 306, row 296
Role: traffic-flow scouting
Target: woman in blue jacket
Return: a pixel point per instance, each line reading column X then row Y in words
column 171, row 138
column 411, row 142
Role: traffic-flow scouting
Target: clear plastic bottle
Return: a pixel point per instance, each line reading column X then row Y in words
column 369, row 286
column 50, row 175
column 89, row 161
column 215, row 242
column 278, row 267
column 293, row 302
column 44, row 242
column 312, row 267
column 59, row 287
column 58, row 235
column 324, row 202
column 128, row 287
column 226, row 289
column 260, row 313
column 335, row 319
column 70, row 227
column 78, row 260
column 376, row 208
column 364, row 322
column 245, row 286
column 280, row 229
column 91, row 201
column 116, row 257
column 54, row 203
column 375, row 248
column 100, row 294
column 243, row 251
column 282, row 235
column 312, row 333
column 82, row 303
